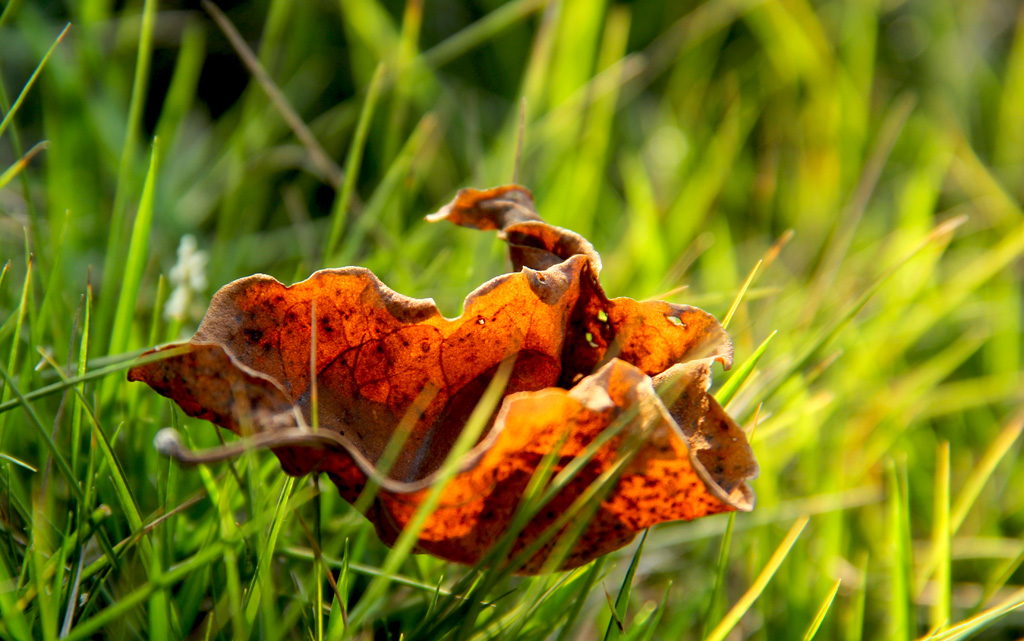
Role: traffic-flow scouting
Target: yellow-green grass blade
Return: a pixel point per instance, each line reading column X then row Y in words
column 968, row 627
column 576, row 184
column 114, row 263
column 340, row 210
column 12, row 362
column 843, row 233
column 729, row 389
column 853, row 624
column 733, row 616
column 479, row 32
column 826, row 605
column 538, row 494
column 1000, row 578
column 307, row 554
column 900, row 623
column 22, row 162
column 712, row 615
column 739, row 296
column 159, row 601
column 982, row 471
column 41, row 549
column 254, row 595
column 467, row 611
column 941, row 607
column 971, row 488
column 138, row 253
column 646, row 631
column 968, row 279
column 396, row 173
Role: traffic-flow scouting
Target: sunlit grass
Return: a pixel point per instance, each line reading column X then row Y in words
column 842, row 181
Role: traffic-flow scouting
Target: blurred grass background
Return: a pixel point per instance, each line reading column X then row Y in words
column 688, row 141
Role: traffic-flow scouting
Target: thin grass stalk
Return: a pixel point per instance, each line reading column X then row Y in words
column 733, row 616
column 940, row 612
column 819, row 618
column 138, row 252
column 114, row 257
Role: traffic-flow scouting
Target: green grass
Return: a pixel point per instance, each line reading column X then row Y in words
column 841, row 179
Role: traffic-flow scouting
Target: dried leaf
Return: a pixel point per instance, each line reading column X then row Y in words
column 581, row 363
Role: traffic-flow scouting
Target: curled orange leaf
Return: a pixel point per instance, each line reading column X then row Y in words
column 387, row 366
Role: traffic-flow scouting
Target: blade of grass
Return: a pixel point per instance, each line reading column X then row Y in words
column 733, row 616
column 9, row 116
column 130, row 360
column 588, row 581
column 622, row 600
column 982, row 471
column 362, row 568
column 120, row 336
column 649, row 627
column 113, row 262
column 942, row 603
column 340, row 210
column 529, row 505
column 126, row 498
column 968, row 627
column 9, row 11
column 398, row 171
column 159, row 601
column 712, row 616
column 183, row 87
column 320, row 159
column 739, row 296
column 971, row 488
column 854, row 624
column 267, row 552
column 83, row 356
column 42, row 548
column 480, row 31
column 899, row 622
column 404, row 82
column 731, row 386
column 18, row 462
column 12, row 362
column 1000, row 579
column 812, row 630
column 23, row 162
